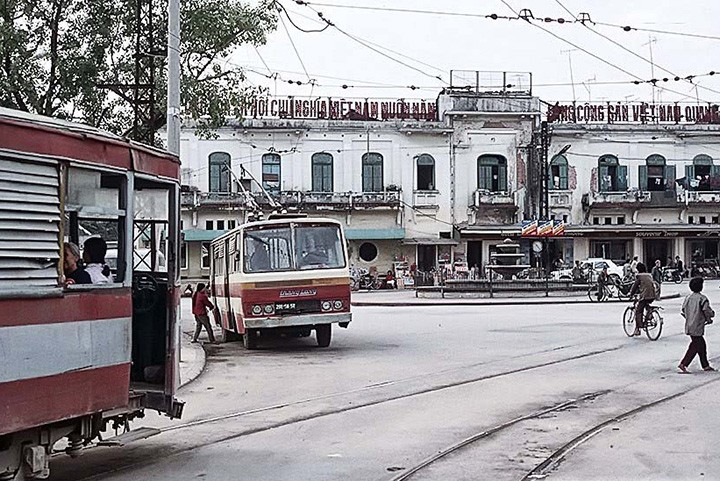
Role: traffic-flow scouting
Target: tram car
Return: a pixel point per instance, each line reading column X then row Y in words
column 287, row 275
column 82, row 349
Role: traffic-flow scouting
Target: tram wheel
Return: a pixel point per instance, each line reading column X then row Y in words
column 250, row 339
column 323, row 333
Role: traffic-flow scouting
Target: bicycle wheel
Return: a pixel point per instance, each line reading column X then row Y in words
column 653, row 325
column 593, row 294
column 629, row 321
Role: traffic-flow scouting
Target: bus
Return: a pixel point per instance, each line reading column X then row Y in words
column 287, row 275
column 81, row 357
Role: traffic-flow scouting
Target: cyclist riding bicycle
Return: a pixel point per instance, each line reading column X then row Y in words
column 644, row 287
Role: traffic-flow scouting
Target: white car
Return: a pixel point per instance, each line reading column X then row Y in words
column 595, row 263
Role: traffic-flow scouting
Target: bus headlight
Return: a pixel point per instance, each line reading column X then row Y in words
column 326, row 305
column 269, row 309
column 257, row 309
column 338, row 304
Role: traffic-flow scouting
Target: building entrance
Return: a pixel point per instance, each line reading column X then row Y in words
column 426, row 257
column 656, row 249
column 474, row 254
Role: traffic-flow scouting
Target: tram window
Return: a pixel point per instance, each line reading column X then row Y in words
column 95, row 207
column 205, row 255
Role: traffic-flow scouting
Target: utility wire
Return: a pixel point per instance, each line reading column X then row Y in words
column 635, row 54
column 282, row 9
column 587, row 52
column 302, row 64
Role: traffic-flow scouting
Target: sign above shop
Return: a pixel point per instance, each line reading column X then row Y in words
column 633, row 113
column 329, row 108
column 542, row 228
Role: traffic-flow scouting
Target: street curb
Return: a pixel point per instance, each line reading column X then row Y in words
column 519, row 302
column 192, row 360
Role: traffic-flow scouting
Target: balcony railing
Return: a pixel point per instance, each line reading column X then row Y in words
column 219, row 199
column 484, row 197
column 335, row 200
column 426, row 198
column 620, row 198
column 560, row 199
column 694, row 196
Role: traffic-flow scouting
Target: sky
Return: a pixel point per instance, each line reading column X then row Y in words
column 432, row 45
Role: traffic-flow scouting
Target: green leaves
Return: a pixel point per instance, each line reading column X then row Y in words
column 55, row 53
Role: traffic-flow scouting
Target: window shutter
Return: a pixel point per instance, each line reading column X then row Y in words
column 642, row 174
column 689, row 173
column 670, row 177
column 484, row 176
column 622, row 178
column 502, row 178
column 603, row 173
column 29, row 224
column 563, row 176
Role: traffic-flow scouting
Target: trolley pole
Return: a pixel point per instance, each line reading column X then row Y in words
column 173, row 94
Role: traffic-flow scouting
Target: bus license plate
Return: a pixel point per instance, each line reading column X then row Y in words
column 282, row 307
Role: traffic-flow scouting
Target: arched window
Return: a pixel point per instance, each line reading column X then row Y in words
column 425, row 166
column 322, row 172
column 492, row 173
column 656, row 175
column 372, row 172
column 219, row 172
column 612, row 177
column 271, row 173
column 702, row 174
column 558, row 173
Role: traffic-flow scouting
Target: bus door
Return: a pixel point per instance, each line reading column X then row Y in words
column 154, row 258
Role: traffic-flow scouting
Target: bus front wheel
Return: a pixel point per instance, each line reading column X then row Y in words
column 250, row 339
column 323, row 333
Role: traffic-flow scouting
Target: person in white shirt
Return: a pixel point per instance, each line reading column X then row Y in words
column 94, row 251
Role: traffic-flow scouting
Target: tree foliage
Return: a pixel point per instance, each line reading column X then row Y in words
column 54, row 55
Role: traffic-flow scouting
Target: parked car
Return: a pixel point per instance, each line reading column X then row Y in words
column 595, row 264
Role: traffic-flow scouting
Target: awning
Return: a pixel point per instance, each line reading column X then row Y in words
column 374, row 234
column 201, row 235
column 490, row 230
column 434, row 241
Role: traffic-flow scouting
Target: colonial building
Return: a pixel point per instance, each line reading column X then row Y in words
column 442, row 182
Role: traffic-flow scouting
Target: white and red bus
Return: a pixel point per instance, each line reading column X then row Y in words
column 77, row 358
column 286, row 275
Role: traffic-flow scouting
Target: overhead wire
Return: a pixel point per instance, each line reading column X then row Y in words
column 635, row 54
column 587, row 52
column 297, row 53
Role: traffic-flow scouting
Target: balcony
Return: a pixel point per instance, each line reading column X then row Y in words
column 334, row 200
column 698, row 197
column 630, row 198
column 485, row 198
column 560, row 199
column 428, row 199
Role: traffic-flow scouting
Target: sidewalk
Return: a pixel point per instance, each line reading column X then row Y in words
column 192, row 355
column 406, row 297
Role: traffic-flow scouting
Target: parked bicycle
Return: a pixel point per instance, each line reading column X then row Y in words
column 652, row 325
column 617, row 289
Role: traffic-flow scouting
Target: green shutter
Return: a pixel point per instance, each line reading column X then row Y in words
column 484, row 177
column 622, row 178
column 603, row 172
column 689, row 172
column 642, row 174
column 502, row 178
column 670, row 177
column 563, row 176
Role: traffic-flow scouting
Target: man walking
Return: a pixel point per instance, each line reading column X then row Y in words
column 200, row 305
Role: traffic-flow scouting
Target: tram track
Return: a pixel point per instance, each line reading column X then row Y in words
column 551, row 462
column 295, row 419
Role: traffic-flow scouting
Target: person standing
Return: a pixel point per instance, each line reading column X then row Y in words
column 633, row 266
column 603, row 281
column 697, row 313
column 644, row 287
column 628, row 270
column 200, row 306
column 679, row 266
column 657, row 274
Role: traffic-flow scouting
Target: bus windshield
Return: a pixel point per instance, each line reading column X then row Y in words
column 293, row 247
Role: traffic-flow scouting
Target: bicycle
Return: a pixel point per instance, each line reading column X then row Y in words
column 653, row 321
column 595, row 295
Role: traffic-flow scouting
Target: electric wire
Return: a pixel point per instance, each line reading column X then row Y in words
column 302, row 64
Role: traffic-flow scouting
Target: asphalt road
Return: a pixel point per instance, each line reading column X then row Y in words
column 536, row 392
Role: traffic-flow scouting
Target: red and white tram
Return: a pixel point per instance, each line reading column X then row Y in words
column 77, row 358
column 285, row 275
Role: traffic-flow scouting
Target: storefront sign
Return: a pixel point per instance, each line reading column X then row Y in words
column 642, row 113
column 339, row 109
column 656, row 234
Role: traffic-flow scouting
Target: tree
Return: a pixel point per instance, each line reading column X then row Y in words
column 55, row 55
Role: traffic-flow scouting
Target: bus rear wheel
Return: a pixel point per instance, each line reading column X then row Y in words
column 323, row 333
column 250, row 339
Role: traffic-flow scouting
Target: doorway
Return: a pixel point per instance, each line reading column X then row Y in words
column 426, row 257
column 474, row 254
column 656, row 249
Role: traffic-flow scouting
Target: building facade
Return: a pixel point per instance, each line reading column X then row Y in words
column 438, row 184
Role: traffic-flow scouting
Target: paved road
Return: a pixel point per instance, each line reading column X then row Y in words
column 404, row 383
